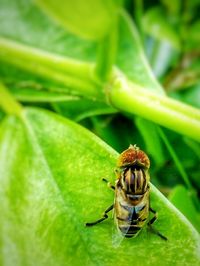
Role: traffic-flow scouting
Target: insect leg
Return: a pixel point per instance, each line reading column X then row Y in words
column 152, row 221
column 108, row 184
column 154, row 218
column 105, row 216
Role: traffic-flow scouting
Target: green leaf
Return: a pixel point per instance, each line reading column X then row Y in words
column 152, row 140
column 27, row 17
column 78, row 75
column 173, row 7
column 1, row 115
column 161, row 56
column 78, row 109
column 131, row 58
column 105, row 128
column 181, row 198
column 48, row 37
column 7, row 103
column 60, row 42
column 192, row 36
column 92, row 20
column 177, row 161
column 50, row 175
column 155, row 24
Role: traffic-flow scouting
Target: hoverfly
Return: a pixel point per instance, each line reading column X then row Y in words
column 132, row 190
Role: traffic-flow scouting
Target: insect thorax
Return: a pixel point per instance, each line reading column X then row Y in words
column 134, row 180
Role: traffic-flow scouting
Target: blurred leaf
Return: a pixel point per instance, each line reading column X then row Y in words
column 27, row 17
column 173, row 7
column 155, row 24
column 22, row 83
column 28, row 25
column 131, row 58
column 21, row 26
column 180, row 197
column 152, row 140
column 92, row 20
column 2, row 115
column 160, row 54
column 79, row 108
column 193, row 145
column 105, row 127
column 177, row 161
column 190, row 96
column 192, row 37
column 50, row 179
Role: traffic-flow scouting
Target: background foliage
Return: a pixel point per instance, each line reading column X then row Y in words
column 120, row 69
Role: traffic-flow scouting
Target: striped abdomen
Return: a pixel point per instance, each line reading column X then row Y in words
column 131, row 211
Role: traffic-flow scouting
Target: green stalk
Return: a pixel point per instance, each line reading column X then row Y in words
column 68, row 72
column 107, row 50
column 64, row 64
column 160, row 109
column 124, row 95
column 8, row 103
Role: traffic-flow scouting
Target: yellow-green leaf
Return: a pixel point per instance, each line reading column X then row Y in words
column 50, row 185
column 92, row 19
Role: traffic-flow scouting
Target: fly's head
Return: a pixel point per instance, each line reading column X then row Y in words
column 133, row 156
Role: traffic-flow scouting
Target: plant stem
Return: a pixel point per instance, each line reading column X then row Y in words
column 160, row 109
column 124, row 95
column 107, row 53
column 56, row 62
column 8, row 103
column 68, row 72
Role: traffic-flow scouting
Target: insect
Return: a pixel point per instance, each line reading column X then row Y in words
column 132, row 194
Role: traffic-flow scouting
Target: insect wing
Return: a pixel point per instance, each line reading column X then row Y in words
column 117, row 236
column 120, row 227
